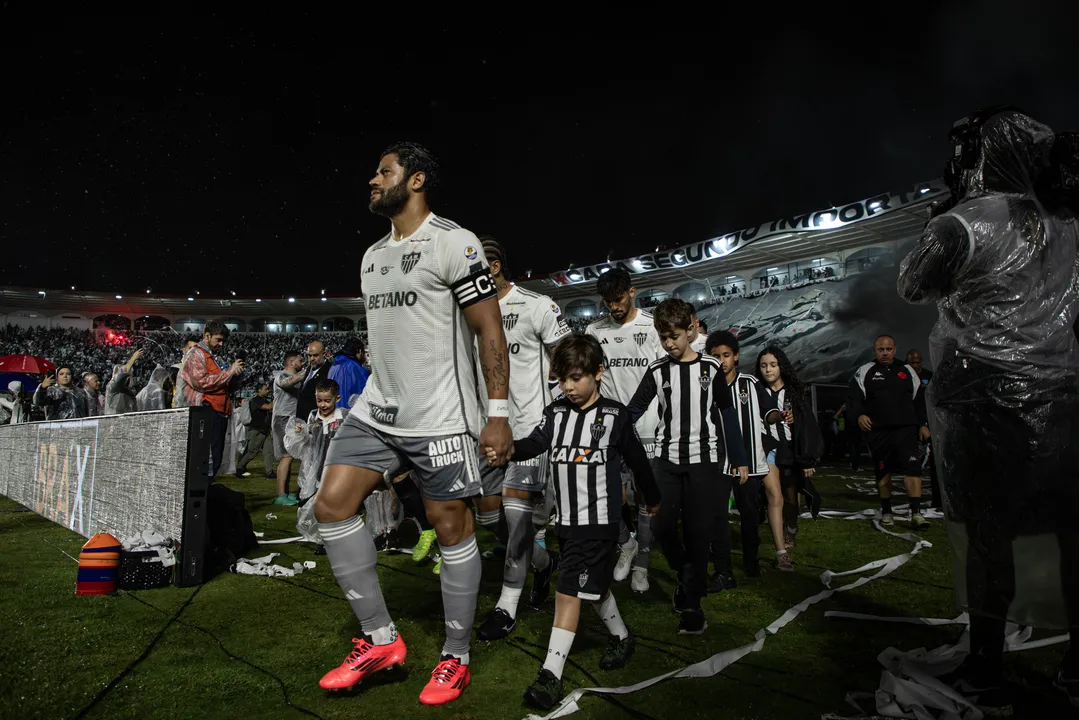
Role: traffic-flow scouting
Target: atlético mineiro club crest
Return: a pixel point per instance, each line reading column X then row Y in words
column 641, row 338
column 509, row 321
column 705, row 380
column 582, row 579
column 409, row 261
column 743, row 397
column 597, row 429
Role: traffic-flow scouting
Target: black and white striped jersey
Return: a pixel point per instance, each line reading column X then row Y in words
column 781, row 433
column 753, row 406
column 587, row 447
column 694, row 408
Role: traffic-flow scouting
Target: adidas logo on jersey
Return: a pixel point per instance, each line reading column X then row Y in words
column 666, row 386
column 579, row 456
column 369, row 269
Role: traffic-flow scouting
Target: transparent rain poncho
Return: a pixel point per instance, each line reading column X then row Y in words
column 1003, row 270
column 309, row 442
column 157, row 395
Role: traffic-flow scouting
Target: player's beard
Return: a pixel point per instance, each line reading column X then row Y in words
column 391, row 202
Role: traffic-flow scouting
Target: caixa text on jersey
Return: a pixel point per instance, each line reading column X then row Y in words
column 377, row 301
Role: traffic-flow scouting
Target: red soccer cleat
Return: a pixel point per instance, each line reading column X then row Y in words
column 448, row 681
column 364, row 660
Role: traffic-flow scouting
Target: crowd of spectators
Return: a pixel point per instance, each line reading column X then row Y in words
column 99, row 351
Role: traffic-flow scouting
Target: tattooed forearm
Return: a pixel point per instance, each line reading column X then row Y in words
column 496, row 370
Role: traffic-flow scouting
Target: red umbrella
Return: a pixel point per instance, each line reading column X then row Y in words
column 25, row 364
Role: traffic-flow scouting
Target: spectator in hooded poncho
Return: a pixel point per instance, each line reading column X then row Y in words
column 120, row 395
column 12, row 406
column 157, row 395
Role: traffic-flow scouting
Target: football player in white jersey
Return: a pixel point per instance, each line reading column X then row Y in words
column 533, row 325
column 418, row 412
column 698, row 335
column 630, row 342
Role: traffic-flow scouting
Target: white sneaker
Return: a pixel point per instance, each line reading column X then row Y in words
column 918, row 522
column 626, row 553
column 887, row 519
column 639, row 583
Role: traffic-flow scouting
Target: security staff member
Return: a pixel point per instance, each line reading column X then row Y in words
column 887, row 400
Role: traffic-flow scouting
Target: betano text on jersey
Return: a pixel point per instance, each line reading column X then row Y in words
column 418, row 287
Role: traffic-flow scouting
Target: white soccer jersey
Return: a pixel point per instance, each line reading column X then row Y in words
column 422, row 363
column 627, row 351
column 699, row 343
column 533, row 325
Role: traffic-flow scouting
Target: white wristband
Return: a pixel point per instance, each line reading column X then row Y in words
column 498, row 408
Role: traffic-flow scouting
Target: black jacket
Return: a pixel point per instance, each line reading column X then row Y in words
column 305, row 401
column 891, row 395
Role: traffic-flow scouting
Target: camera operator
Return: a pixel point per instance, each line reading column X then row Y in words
column 205, row 383
column 1004, row 402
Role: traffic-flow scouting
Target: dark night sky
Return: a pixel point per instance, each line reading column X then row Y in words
column 188, row 153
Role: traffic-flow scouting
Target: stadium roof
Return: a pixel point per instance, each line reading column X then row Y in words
column 885, row 218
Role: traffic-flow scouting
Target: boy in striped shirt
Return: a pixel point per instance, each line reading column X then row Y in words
column 588, row 437
column 694, row 409
column 755, row 409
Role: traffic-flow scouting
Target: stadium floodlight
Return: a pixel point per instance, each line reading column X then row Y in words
column 292, row 299
column 323, row 299
column 874, row 205
column 41, row 293
column 119, row 297
column 923, row 191
column 72, row 287
column 258, row 299
column 233, row 293
column 323, row 292
column 771, row 269
column 190, row 299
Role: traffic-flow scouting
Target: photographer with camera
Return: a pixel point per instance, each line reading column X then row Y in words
column 1000, row 261
column 205, row 383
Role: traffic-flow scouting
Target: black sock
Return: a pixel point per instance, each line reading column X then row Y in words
column 886, row 506
column 915, row 505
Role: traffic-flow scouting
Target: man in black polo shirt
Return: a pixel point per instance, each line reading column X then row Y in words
column 887, row 400
column 257, row 432
column 914, row 359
